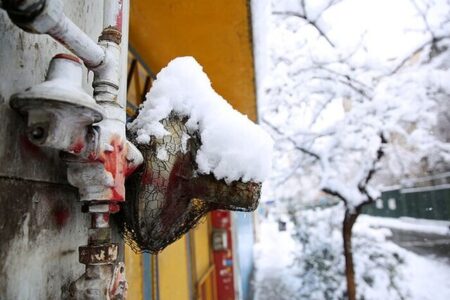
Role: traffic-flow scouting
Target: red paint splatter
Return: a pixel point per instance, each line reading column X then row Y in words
column 92, row 156
column 61, row 216
column 119, row 17
column 130, row 170
column 106, row 218
column 77, row 147
column 116, row 164
column 114, row 207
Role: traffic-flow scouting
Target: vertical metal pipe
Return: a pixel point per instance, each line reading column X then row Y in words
column 125, row 5
column 113, row 14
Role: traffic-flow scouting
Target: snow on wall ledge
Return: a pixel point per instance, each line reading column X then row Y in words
column 233, row 147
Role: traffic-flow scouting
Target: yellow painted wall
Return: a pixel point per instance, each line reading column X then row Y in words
column 218, row 34
column 134, row 271
column 173, row 272
column 200, row 238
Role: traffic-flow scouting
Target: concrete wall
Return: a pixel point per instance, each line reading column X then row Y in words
column 41, row 225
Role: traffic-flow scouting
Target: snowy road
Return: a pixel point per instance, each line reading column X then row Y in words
column 425, row 244
column 427, row 238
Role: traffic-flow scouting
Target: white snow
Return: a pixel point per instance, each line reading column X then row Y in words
column 232, row 146
column 277, row 277
column 427, row 279
column 161, row 153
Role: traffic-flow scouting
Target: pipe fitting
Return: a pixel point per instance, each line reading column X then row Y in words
column 59, row 112
column 102, row 176
column 107, row 75
column 100, row 282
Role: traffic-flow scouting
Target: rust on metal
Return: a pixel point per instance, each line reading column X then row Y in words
column 119, row 287
column 98, row 254
column 111, row 34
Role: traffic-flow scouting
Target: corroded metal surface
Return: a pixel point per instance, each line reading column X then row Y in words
column 98, row 254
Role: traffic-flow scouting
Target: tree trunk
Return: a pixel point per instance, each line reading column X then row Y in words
column 349, row 221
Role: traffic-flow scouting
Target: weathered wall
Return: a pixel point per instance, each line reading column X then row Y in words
column 41, row 225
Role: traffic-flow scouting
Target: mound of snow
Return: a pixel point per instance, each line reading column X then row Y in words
column 233, row 147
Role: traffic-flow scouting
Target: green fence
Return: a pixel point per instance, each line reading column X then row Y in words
column 431, row 202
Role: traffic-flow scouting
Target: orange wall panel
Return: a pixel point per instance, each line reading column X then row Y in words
column 217, row 33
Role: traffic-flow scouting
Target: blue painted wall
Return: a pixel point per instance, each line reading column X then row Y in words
column 244, row 250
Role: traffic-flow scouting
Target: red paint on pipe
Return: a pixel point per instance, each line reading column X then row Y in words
column 68, row 56
column 77, row 147
column 92, row 156
column 116, row 164
column 106, row 218
column 114, row 207
column 119, row 16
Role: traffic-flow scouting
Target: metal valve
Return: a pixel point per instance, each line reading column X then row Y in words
column 59, row 111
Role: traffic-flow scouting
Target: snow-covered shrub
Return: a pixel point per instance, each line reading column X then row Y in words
column 320, row 263
column 275, row 287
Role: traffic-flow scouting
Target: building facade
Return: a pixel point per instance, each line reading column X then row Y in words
column 41, row 222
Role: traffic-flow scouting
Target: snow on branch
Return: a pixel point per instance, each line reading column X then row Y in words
column 347, row 125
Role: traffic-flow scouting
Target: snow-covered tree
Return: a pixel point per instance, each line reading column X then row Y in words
column 320, row 267
column 350, row 114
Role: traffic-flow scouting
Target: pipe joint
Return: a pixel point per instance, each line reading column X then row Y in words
column 107, row 75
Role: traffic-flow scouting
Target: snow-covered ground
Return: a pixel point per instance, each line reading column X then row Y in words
column 422, row 278
column 274, row 258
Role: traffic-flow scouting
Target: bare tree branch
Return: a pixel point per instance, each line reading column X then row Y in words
column 418, row 50
column 362, row 186
column 308, row 21
column 294, row 143
column 335, row 194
